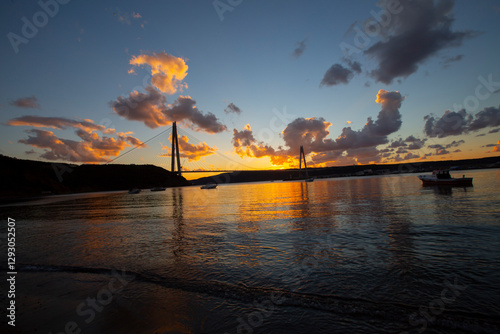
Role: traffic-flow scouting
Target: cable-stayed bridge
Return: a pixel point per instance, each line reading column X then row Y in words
column 175, row 156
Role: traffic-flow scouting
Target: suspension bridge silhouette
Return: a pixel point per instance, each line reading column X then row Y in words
column 175, row 156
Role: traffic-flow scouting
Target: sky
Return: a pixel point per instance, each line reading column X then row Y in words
column 249, row 82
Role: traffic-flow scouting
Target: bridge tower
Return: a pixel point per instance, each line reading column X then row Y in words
column 302, row 156
column 175, row 150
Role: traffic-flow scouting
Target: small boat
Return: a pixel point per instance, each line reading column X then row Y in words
column 134, row 191
column 311, row 179
column 443, row 178
column 158, row 189
column 209, row 186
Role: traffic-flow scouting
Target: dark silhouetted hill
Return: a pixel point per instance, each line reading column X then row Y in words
column 27, row 178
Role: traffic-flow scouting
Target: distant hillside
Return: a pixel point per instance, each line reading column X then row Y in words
column 27, row 178
column 354, row 170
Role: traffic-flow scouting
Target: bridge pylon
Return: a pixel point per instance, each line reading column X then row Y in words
column 302, row 156
column 175, row 150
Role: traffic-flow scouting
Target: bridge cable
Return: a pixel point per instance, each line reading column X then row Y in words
column 141, row 144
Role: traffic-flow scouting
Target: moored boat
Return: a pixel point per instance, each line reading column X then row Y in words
column 443, row 178
column 209, row 186
column 134, row 191
column 158, row 189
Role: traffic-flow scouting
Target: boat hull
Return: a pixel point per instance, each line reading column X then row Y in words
column 460, row 182
column 209, row 186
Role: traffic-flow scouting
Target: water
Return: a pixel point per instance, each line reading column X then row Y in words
column 359, row 255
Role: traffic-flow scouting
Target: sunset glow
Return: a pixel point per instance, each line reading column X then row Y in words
column 409, row 93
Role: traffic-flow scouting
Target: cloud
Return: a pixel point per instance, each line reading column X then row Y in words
column 415, row 143
column 401, row 150
column 126, row 18
column 336, row 75
column 184, row 109
column 355, row 146
column 457, row 123
column 244, row 137
column 245, row 144
column 92, row 147
column 407, row 156
column 145, row 107
column 232, row 108
column 488, row 117
column 455, row 144
column 354, row 65
column 497, row 147
column 151, row 109
column 310, row 133
column 167, row 71
column 388, row 119
column 440, row 149
column 26, row 102
column 450, row 124
column 300, row 48
column 419, row 32
column 190, row 151
column 449, row 60
column 362, row 144
column 441, row 152
column 57, row 123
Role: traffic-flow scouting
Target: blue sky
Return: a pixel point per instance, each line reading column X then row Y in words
column 78, row 63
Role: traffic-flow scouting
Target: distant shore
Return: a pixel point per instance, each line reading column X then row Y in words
column 346, row 171
column 24, row 180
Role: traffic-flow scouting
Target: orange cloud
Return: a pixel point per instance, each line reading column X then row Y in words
column 167, row 71
column 357, row 146
column 497, row 147
column 190, row 151
column 92, row 148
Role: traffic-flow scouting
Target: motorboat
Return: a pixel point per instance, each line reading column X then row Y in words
column 443, row 178
column 158, row 189
column 209, row 186
column 134, row 191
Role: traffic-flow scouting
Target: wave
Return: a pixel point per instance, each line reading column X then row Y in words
column 341, row 305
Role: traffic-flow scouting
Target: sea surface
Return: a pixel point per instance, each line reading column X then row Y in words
column 378, row 254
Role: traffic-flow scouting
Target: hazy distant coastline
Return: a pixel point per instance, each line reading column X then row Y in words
column 353, row 170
